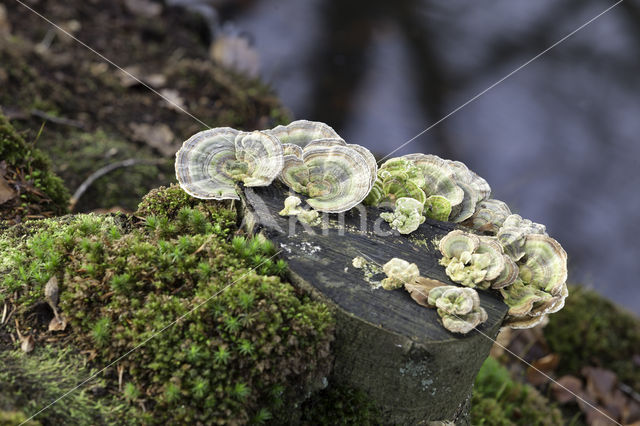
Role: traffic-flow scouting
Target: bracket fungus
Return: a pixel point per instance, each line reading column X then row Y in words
column 513, row 232
column 210, row 162
column 532, row 287
column 489, row 216
column 301, row 132
column 437, row 207
column 334, row 175
column 399, row 272
column 472, row 260
column 474, row 187
column 448, row 189
column 458, row 307
column 407, row 215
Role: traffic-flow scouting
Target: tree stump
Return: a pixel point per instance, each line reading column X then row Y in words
column 386, row 344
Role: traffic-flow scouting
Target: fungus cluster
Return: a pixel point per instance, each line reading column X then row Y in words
column 458, row 307
column 398, row 272
column 502, row 252
column 530, row 271
column 308, row 157
column 447, row 190
column 407, row 215
column 292, row 208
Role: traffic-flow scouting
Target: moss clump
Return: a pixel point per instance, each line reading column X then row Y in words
column 350, row 406
column 591, row 330
column 27, row 168
column 11, row 418
column 167, row 201
column 252, row 344
column 30, row 382
column 498, row 400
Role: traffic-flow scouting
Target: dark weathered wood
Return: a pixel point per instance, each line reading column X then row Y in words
column 386, row 344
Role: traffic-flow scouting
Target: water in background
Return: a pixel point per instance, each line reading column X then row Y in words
column 558, row 141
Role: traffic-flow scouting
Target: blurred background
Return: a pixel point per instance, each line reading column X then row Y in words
column 558, row 141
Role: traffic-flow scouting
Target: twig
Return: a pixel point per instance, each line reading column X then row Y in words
column 57, row 120
column 103, row 171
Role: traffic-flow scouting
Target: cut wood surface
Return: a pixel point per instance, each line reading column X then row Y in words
column 386, row 344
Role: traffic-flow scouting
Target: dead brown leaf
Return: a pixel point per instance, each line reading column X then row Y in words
column 420, row 288
column 144, row 8
column 27, row 344
column 158, row 136
column 172, row 99
column 600, row 382
column 51, row 292
column 565, row 388
column 541, row 368
column 235, row 52
column 6, row 192
column 57, row 323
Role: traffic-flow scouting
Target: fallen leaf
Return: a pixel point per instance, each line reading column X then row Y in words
column 631, row 412
column 235, row 51
column 145, row 8
column 420, row 288
column 538, row 374
column 566, row 388
column 27, row 343
column 172, row 99
column 6, row 192
column 600, row 382
column 51, row 292
column 598, row 416
column 158, row 136
column 156, row 80
column 58, row 323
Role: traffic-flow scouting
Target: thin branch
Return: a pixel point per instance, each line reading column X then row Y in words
column 103, row 171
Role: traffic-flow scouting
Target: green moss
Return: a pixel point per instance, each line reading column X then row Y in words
column 30, row 382
column 499, row 400
column 246, row 342
column 31, row 168
column 591, row 330
column 340, row 405
column 11, row 418
column 167, row 201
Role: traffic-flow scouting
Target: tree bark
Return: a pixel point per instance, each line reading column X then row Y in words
column 386, row 344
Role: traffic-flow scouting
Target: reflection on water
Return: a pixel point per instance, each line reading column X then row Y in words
column 558, row 141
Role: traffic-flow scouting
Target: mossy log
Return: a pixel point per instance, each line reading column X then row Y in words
column 386, row 345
